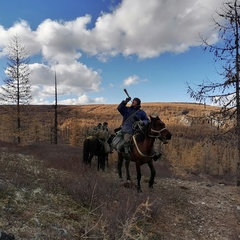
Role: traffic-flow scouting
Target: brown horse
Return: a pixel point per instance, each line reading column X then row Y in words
column 141, row 149
column 95, row 147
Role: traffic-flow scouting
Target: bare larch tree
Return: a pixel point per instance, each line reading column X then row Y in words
column 226, row 53
column 16, row 89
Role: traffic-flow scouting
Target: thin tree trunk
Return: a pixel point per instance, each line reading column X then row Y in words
column 56, row 114
column 18, row 103
column 237, row 94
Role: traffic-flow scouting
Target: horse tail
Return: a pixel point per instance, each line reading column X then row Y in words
column 86, row 151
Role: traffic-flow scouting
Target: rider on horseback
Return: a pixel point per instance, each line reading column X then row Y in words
column 131, row 115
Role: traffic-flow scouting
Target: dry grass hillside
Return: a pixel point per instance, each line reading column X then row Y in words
column 46, row 192
column 201, row 143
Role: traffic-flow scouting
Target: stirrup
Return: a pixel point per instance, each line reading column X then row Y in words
column 156, row 157
column 126, row 156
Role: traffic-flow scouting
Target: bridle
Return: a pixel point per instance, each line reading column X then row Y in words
column 152, row 131
column 156, row 131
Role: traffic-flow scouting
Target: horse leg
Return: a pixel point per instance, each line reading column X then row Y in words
column 127, row 163
column 85, row 158
column 98, row 163
column 85, row 152
column 139, row 176
column 89, row 161
column 119, row 164
column 106, row 160
column 101, row 160
column 153, row 173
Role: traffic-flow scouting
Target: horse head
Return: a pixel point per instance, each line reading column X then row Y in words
column 158, row 129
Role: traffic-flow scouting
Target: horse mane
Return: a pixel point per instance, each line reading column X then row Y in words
column 142, row 133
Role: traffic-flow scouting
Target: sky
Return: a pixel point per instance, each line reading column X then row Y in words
column 99, row 47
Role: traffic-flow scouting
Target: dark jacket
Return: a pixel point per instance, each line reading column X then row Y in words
column 126, row 112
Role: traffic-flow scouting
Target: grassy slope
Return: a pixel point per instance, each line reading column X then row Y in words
column 46, row 192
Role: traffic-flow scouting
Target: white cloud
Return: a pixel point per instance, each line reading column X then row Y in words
column 84, row 99
column 150, row 28
column 60, row 41
column 74, row 79
column 145, row 28
column 41, row 74
column 22, row 29
column 132, row 80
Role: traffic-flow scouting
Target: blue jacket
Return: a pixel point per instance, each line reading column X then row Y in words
column 126, row 112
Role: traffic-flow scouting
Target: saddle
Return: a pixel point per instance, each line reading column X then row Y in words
column 90, row 137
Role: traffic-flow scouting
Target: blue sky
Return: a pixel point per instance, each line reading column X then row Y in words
column 100, row 47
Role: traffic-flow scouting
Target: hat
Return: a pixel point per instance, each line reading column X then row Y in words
column 105, row 123
column 137, row 100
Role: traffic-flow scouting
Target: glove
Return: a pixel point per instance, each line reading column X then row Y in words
column 128, row 99
column 140, row 122
column 138, row 125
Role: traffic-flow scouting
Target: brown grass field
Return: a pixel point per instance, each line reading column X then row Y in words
column 199, row 144
column 47, row 192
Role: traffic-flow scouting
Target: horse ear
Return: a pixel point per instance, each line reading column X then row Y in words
column 153, row 116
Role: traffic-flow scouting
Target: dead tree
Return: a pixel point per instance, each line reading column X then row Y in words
column 16, row 89
column 226, row 52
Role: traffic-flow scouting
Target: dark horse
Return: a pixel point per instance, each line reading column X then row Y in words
column 141, row 149
column 95, row 147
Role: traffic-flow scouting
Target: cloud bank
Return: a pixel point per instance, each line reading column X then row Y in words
column 143, row 28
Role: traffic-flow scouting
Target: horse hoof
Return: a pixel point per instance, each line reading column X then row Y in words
column 128, row 184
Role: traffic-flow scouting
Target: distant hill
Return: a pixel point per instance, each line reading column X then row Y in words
column 201, row 142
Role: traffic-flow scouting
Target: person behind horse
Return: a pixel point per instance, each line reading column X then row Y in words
column 93, row 132
column 99, row 126
column 100, row 132
column 105, row 126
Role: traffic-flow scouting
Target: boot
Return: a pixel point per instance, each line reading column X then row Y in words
column 157, row 156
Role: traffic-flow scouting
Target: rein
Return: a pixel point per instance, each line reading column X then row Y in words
column 139, row 151
column 151, row 136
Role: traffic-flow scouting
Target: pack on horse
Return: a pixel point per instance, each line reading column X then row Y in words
column 141, row 148
column 93, row 146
